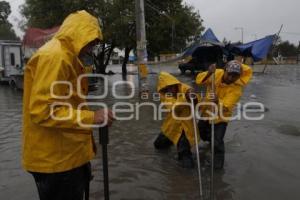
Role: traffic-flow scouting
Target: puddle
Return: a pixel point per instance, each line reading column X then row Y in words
column 289, row 130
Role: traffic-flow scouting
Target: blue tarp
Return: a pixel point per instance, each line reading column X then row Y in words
column 257, row 49
column 209, row 36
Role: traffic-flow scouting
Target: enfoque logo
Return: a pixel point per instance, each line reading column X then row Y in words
column 126, row 111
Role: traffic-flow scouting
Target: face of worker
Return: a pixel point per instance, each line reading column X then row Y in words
column 172, row 89
column 86, row 53
column 230, row 78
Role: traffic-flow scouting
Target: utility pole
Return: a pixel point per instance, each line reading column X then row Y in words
column 142, row 56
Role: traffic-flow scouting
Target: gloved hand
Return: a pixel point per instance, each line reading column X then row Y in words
column 190, row 94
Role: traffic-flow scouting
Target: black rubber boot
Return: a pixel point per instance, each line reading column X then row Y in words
column 219, row 162
column 184, row 153
column 162, row 142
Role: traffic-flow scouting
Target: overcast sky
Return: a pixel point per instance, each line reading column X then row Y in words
column 258, row 18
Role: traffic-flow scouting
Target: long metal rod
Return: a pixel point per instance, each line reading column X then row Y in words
column 212, row 141
column 197, row 150
column 103, row 140
column 87, row 191
column 272, row 48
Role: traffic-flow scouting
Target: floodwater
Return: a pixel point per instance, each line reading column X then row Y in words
column 262, row 157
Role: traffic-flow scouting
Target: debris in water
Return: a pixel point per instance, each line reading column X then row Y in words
column 289, row 130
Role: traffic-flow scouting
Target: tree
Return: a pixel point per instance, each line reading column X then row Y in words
column 286, row 49
column 160, row 16
column 47, row 14
column 122, row 26
column 6, row 30
column 118, row 24
column 225, row 41
column 4, row 11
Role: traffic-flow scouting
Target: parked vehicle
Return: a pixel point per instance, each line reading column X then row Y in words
column 11, row 65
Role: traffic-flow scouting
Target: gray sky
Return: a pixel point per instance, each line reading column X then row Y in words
column 260, row 17
column 15, row 16
column 257, row 17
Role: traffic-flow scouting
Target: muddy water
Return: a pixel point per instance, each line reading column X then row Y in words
column 262, row 157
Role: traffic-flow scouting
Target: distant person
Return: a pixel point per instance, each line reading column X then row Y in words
column 229, row 84
column 176, row 131
column 58, row 152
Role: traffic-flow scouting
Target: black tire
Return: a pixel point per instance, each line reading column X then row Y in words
column 181, row 68
column 182, row 71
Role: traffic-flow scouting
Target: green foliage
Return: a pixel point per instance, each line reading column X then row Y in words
column 160, row 15
column 47, row 14
column 118, row 20
column 286, row 49
column 4, row 11
column 6, row 30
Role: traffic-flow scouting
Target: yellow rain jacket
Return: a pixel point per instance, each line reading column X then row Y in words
column 172, row 128
column 51, row 145
column 229, row 95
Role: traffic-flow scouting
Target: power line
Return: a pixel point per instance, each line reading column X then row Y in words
column 149, row 4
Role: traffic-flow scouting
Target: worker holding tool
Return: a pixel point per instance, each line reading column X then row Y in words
column 227, row 89
column 56, row 148
column 179, row 132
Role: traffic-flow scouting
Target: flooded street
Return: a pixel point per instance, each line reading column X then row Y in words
column 262, row 157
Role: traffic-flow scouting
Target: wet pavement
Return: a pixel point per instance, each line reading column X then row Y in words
column 262, row 157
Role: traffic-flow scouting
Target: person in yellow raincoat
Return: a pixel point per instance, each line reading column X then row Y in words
column 56, row 147
column 180, row 132
column 229, row 84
